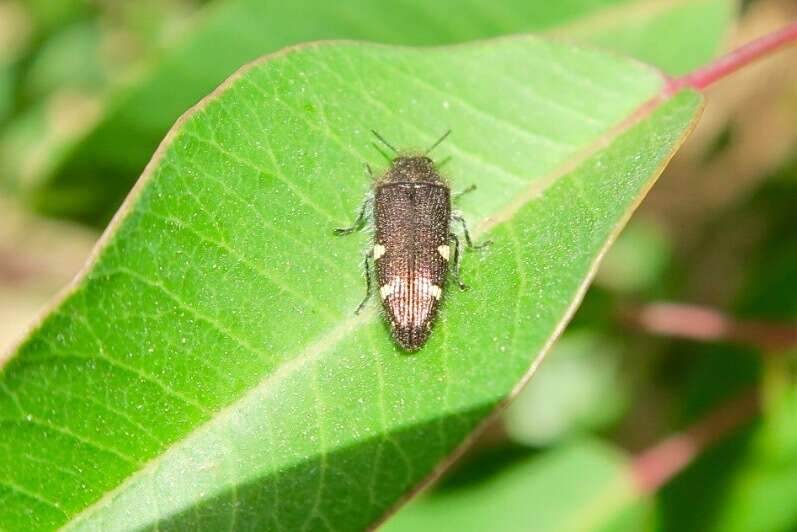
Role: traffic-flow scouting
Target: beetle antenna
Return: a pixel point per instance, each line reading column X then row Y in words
column 383, row 141
column 443, row 162
column 436, row 144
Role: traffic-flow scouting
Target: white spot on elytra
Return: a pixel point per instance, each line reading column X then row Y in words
column 379, row 250
column 436, row 291
column 425, row 288
column 386, row 290
column 444, row 251
column 391, row 287
column 422, row 287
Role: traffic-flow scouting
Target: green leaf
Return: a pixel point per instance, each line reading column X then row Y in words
column 675, row 36
column 6, row 91
column 538, row 493
column 760, row 495
column 578, row 389
column 637, row 263
column 208, row 371
column 88, row 176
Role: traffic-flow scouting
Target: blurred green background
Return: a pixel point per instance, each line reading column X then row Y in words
column 88, row 89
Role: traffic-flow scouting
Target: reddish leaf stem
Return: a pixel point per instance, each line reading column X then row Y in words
column 703, row 77
column 706, row 324
column 655, row 466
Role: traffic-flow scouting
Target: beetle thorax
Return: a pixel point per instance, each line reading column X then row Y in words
column 412, row 168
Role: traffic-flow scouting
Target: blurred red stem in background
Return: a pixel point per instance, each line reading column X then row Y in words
column 15, row 268
column 655, row 466
column 702, row 323
column 703, row 77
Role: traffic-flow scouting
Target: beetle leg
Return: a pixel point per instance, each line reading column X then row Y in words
column 367, row 283
column 359, row 223
column 457, row 263
column 468, row 240
column 456, row 195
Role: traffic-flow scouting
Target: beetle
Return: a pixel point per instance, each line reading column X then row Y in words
column 412, row 244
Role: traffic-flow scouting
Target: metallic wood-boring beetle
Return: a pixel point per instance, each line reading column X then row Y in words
column 411, row 209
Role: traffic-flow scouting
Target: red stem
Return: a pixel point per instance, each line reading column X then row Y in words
column 703, row 77
column 693, row 322
column 655, row 466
